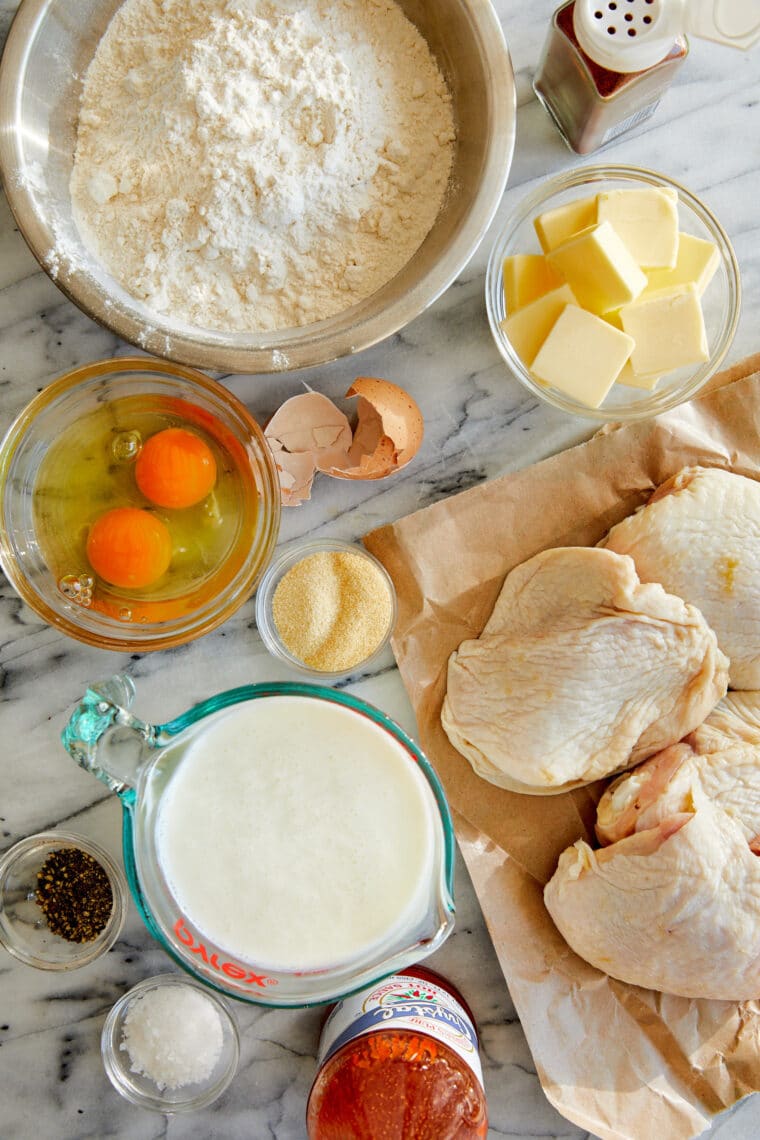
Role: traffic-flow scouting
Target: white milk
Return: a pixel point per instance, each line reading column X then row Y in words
column 296, row 834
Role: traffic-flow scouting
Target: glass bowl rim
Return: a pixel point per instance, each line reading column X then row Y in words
column 117, row 1071
column 578, row 177
column 152, row 635
column 51, row 841
column 283, row 561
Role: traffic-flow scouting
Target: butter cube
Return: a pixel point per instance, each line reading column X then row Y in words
column 582, row 356
column 631, row 380
column 599, row 269
column 528, row 328
column 527, row 276
column 696, row 263
column 562, row 222
column 627, row 375
column 647, row 221
column 669, row 331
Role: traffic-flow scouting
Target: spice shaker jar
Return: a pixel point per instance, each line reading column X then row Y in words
column 399, row 1059
column 606, row 63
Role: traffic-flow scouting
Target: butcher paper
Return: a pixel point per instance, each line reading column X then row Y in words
column 622, row 1062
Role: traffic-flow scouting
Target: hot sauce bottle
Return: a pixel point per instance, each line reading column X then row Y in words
column 399, row 1061
column 607, row 63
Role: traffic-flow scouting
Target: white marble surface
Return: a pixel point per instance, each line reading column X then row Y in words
column 479, row 423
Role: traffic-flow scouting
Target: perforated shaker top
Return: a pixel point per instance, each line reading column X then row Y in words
column 632, row 35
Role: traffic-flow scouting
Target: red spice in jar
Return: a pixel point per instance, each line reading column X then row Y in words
column 592, row 104
column 399, row 1061
column 605, row 81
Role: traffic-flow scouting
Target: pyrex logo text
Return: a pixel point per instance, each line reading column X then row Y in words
column 231, row 969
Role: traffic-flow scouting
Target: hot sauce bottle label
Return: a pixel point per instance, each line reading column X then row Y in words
column 403, row 1002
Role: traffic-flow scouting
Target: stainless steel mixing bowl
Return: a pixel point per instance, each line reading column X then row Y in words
column 49, row 48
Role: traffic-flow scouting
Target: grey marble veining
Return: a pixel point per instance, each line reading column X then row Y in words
column 479, row 424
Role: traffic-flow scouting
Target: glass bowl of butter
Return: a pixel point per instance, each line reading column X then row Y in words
column 613, row 293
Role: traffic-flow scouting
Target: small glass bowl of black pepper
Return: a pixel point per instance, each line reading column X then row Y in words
column 326, row 608
column 63, row 901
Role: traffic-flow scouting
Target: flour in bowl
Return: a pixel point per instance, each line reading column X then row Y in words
column 254, row 165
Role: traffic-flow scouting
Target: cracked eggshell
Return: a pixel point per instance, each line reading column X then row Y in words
column 311, row 423
column 388, row 433
column 296, row 473
column 306, row 433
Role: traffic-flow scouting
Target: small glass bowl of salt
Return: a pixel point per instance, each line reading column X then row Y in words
column 170, row 1045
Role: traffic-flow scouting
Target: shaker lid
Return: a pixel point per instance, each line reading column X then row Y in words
column 732, row 22
column 632, row 35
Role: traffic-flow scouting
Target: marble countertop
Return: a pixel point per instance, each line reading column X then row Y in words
column 480, row 423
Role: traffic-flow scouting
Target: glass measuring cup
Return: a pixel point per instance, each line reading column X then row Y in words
column 138, row 762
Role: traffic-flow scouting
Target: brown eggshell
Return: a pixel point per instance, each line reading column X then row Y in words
column 296, row 473
column 305, row 434
column 310, row 422
column 388, row 433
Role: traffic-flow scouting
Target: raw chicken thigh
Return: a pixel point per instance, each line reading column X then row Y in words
column 674, row 908
column 720, row 760
column 699, row 537
column 673, row 903
column 581, row 671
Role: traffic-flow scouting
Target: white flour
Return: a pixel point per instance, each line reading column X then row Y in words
column 259, row 164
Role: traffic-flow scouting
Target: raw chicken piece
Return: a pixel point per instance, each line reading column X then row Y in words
column 699, row 536
column 719, row 761
column 580, row 671
column 675, row 908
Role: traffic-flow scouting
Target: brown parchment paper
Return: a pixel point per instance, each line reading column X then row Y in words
column 621, row 1062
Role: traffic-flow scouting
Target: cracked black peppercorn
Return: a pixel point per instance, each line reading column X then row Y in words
column 74, row 893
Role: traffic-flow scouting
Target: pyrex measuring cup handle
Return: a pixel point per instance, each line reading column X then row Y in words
column 105, row 738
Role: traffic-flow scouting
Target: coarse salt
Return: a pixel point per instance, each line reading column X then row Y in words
column 173, row 1036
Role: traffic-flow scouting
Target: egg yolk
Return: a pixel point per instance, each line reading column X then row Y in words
column 175, row 468
column 129, row 547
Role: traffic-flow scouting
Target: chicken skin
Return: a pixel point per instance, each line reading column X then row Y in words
column 699, row 537
column 673, row 901
column 580, row 671
column 674, row 908
column 720, row 759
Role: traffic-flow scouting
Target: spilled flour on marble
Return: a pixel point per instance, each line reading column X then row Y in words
column 259, row 164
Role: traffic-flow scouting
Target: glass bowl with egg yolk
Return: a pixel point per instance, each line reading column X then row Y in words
column 139, row 504
column 285, row 843
column 537, row 275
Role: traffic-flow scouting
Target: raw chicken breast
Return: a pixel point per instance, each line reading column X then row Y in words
column 674, row 908
column 719, row 761
column 699, row 536
column 581, row 671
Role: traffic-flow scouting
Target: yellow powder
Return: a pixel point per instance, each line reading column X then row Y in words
column 332, row 610
column 727, row 568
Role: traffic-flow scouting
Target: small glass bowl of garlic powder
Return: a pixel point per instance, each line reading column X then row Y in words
column 326, row 608
column 170, row 1045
